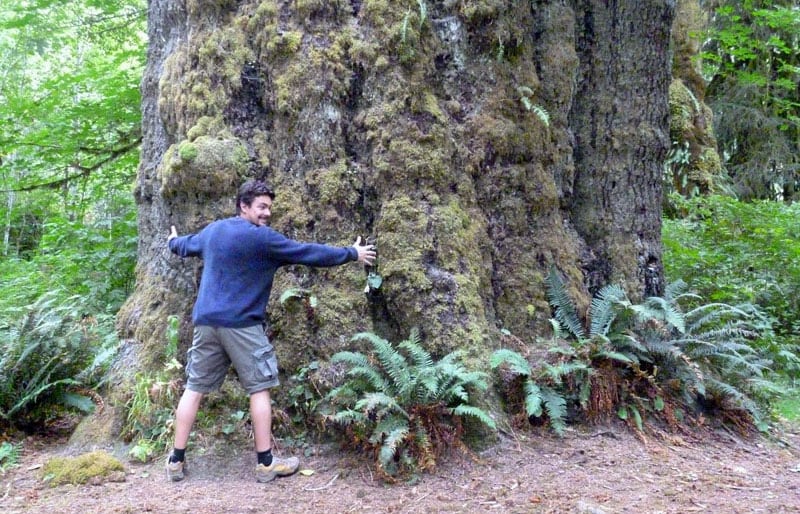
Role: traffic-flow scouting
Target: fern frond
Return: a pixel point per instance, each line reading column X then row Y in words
column 602, row 311
column 372, row 377
column 563, row 305
column 559, row 371
column 390, row 444
column 419, row 356
column 379, row 402
column 533, row 398
column 668, row 312
column 348, row 416
column 386, row 426
column 674, row 290
column 556, row 407
column 617, row 356
column 393, row 362
column 516, row 362
column 737, row 397
column 475, row 412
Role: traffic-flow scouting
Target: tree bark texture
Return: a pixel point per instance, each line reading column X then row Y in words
column 480, row 143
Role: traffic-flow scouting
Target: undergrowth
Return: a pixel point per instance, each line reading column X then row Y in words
column 649, row 361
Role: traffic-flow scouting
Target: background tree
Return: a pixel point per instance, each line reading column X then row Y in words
column 479, row 142
column 751, row 63
column 69, row 105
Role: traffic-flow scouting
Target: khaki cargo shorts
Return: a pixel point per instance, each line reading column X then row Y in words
column 215, row 348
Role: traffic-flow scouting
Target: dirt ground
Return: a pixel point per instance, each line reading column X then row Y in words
column 593, row 471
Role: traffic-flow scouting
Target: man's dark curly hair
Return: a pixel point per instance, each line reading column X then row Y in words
column 249, row 191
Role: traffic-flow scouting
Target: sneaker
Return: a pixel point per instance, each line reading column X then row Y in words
column 278, row 468
column 175, row 470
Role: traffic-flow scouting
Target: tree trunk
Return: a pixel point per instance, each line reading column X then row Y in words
column 479, row 142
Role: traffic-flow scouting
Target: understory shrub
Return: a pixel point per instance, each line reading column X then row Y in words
column 402, row 405
column 49, row 357
column 741, row 252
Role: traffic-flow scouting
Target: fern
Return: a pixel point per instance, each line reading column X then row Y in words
column 603, row 309
column 563, row 306
column 406, row 401
column 556, row 407
column 516, row 362
column 533, row 398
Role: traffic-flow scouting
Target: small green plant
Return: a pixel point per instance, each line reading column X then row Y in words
column 149, row 420
column 542, row 391
column 404, row 406
column 9, row 456
column 300, row 296
column 524, row 97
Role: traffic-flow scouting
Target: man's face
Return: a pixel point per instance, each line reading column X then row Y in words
column 258, row 212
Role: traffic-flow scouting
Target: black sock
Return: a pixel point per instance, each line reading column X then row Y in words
column 177, row 455
column 265, row 457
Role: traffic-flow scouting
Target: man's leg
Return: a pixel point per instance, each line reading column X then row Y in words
column 261, row 414
column 184, row 419
column 185, row 415
column 269, row 467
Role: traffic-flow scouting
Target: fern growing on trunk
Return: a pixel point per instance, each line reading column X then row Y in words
column 403, row 404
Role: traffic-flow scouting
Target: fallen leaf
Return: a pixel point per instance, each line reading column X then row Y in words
column 307, row 472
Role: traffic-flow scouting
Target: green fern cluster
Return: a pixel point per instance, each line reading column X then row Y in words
column 650, row 358
column 403, row 404
column 47, row 356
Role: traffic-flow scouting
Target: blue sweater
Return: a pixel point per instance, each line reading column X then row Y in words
column 239, row 263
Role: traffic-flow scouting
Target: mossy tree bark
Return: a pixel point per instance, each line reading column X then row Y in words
column 479, row 142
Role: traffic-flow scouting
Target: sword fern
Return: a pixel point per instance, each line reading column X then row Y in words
column 403, row 404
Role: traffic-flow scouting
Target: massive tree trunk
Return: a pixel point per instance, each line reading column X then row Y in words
column 479, row 142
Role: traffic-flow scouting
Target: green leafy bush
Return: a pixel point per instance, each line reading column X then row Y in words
column 736, row 252
column 404, row 406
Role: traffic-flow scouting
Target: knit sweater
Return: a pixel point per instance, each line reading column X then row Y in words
column 239, row 264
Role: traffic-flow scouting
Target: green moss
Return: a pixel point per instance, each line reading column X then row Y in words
column 333, row 9
column 285, row 44
column 208, row 126
column 403, row 240
column 187, row 151
column 333, row 185
column 478, row 11
column 215, row 169
column 81, row 469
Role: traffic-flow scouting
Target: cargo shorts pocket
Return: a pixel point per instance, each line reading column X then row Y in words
column 266, row 364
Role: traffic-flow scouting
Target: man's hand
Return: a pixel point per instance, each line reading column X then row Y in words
column 172, row 234
column 366, row 253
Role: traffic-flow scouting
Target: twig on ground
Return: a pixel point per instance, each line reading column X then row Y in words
column 330, row 483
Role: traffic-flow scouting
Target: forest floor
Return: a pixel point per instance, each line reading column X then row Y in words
column 591, row 470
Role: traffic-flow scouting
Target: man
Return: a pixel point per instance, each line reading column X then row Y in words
column 240, row 256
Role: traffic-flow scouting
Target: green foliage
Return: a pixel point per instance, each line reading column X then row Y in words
column 541, row 394
column 9, row 456
column 149, row 410
column 524, row 96
column 69, row 105
column 648, row 359
column 736, row 252
column 402, row 404
column 48, row 354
